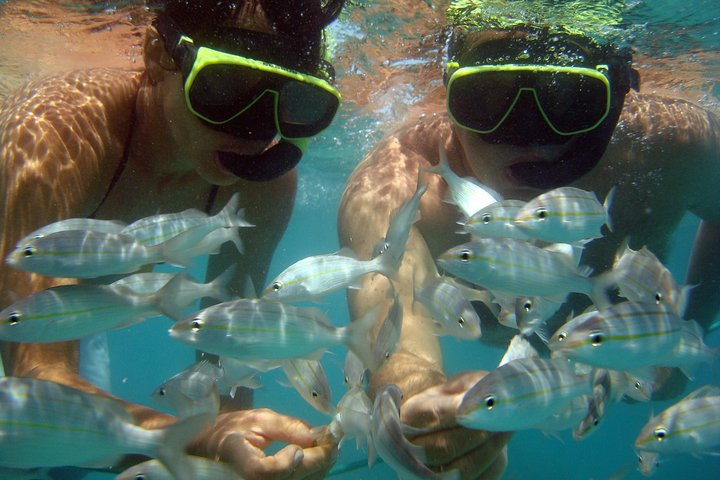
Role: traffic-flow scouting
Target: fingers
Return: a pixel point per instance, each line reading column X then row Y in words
column 271, row 426
column 442, row 446
column 316, row 462
column 435, row 407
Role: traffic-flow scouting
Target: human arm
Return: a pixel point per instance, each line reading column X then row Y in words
column 380, row 183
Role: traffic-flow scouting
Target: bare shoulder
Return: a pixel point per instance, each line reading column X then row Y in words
column 61, row 138
column 672, row 119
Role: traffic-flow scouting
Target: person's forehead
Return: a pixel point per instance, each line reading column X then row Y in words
column 519, row 45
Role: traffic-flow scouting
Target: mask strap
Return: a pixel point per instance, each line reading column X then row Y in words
column 270, row 164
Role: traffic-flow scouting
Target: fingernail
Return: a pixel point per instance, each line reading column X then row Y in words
column 299, row 455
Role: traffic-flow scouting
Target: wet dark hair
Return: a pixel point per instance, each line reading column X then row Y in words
column 208, row 21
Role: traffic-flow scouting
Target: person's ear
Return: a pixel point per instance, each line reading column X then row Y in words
column 157, row 60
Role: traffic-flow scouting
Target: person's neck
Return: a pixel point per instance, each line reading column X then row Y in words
column 153, row 149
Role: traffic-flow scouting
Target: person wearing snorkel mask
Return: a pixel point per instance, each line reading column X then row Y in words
column 526, row 108
column 229, row 97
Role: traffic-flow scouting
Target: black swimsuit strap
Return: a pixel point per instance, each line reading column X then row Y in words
column 121, row 166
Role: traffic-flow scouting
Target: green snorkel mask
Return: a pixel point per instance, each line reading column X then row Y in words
column 539, row 72
column 254, row 97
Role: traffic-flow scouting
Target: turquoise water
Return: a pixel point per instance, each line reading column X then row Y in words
column 143, row 356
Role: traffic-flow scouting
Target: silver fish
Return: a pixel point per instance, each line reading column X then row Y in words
column 496, row 221
column 315, row 276
column 641, row 277
column 352, row 417
column 309, row 379
column 105, row 226
column 515, row 266
column 201, row 468
column 157, row 229
column 521, row 394
column 147, row 284
column 191, row 391
column 389, row 334
column 70, row 312
column 90, row 254
column 565, row 214
column 391, row 445
column 354, row 371
column 624, row 336
column 468, row 194
column 448, row 306
column 251, row 329
column 45, row 424
column 691, row 425
column 401, row 220
column 242, row 373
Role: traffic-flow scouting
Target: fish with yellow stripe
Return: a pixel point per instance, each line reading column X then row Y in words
column 257, row 328
column 691, row 425
column 565, row 215
column 46, row 424
column 629, row 336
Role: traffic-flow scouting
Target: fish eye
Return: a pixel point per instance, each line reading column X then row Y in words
column 197, row 324
column 347, row 380
column 541, row 213
column 660, row 434
column 29, row 251
column 527, row 306
column 465, row 255
column 596, row 338
column 14, row 318
column 276, row 286
column 561, row 336
column 161, row 392
column 486, row 218
column 658, row 297
column 140, row 476
column 490, row 402
column 314, row 394
column 461, row 322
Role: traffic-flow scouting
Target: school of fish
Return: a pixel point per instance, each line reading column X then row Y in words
column 522, row 259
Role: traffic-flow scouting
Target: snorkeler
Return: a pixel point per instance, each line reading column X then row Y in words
column 229, row 97
column 529, row 106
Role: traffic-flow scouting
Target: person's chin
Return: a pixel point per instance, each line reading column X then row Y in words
column 216, row 174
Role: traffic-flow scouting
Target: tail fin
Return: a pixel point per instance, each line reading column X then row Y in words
column 218, row 287
column 171, row 447
column 167, row 298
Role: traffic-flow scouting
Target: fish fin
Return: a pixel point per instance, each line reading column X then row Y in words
column 600, row 284
column 683, row 300
column 518, row 348
column 171, row 448
column 607, row 204
column 220, row 283
column 166, row 297
column 358, row 337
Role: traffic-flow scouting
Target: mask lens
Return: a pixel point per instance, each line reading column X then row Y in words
column 572, row 102
column 481, row 100
column 305, row 110
column 219, row 92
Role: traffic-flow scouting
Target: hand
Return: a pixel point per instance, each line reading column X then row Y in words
column 476, row 454
column 239, row 438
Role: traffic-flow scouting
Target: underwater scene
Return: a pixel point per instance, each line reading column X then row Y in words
column 388, row 56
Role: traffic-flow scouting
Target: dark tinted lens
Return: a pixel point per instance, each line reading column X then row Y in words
column 219, row 92
column 572, row 102
column 480, row 101
column 305, row 110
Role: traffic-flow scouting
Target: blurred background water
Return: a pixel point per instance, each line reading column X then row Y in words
column 387, row 56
